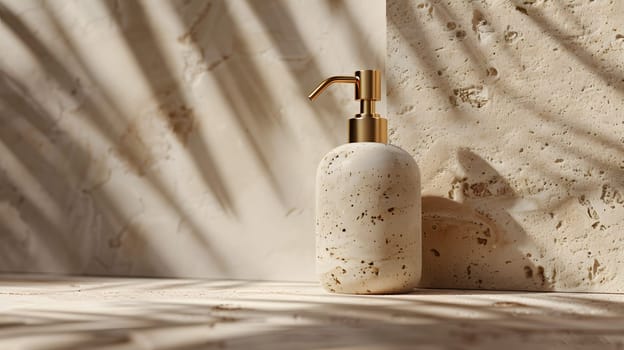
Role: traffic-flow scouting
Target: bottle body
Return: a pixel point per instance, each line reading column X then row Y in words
column 368, row 220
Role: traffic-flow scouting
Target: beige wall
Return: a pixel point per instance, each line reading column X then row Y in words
column 174, row 138
column 514, row 111
column 171, row 138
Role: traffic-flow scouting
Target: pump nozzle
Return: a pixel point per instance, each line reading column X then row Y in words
column 367, row 126
column 331, row 80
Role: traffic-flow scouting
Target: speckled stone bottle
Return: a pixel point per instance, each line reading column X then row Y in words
column 368, row 205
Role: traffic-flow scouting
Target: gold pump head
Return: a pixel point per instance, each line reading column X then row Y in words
column 367, row 126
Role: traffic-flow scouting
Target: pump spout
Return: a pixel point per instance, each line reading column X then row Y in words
column 331, row 80
column 367, row 126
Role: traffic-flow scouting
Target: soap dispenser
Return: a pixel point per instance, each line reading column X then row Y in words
column 368, row 204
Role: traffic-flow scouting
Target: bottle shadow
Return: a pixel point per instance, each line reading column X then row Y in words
column 472, row 241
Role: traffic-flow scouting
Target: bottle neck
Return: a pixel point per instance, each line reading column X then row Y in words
column 368, row 128
column 367, row 107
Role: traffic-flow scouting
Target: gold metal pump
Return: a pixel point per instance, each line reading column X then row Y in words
column 367, row 126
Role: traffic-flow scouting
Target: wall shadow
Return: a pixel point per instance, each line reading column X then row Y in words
column 242, row 85
column 51, row 243
column 612, row 76
column 294, row 320
column 176, row 109
column 307, row 73
column 470, row 240
column 557, row 129
column 419, row 44
column 68, row 247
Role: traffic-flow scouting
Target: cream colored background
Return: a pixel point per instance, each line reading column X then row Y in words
column 172, row 138
column 513, row 109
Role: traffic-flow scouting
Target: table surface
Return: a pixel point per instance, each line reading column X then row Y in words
column 47, row 312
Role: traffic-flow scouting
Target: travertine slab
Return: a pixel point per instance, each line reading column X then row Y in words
column 48, row 313
column 513, row 110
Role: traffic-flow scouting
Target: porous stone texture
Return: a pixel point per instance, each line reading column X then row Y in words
column 513, row 111
column 368, row 227
column 42, row 312
column 172, row 138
